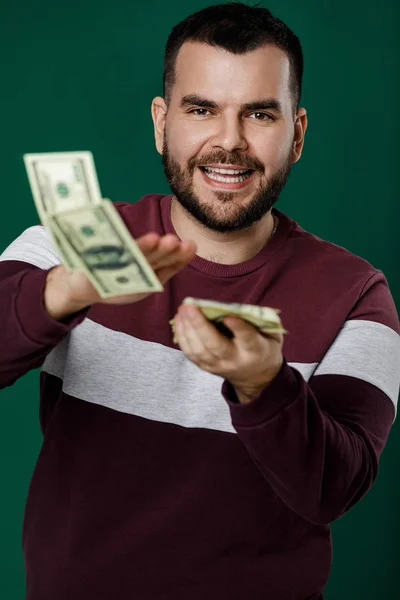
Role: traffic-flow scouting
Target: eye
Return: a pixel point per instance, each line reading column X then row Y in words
column 259, row 116
column 199, row 111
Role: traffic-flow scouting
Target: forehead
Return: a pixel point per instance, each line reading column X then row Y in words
column 209, row 70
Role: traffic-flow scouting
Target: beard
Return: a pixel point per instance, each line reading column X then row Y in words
column 227, row 213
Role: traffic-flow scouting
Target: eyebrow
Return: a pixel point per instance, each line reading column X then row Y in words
column 263, row 104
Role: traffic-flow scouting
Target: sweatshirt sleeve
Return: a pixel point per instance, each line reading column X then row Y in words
column 27, row 332
column 318, row 443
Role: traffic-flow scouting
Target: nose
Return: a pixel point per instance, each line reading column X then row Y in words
column 230, row 134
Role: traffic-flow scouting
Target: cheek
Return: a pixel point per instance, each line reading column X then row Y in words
column 185, row 140
column 271, row 148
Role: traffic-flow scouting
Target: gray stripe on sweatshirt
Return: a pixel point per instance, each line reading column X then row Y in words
column 366, row 350
column 159, row 383
column 141, row 378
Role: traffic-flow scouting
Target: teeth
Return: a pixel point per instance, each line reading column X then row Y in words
column 216, row 177
column 225, row 171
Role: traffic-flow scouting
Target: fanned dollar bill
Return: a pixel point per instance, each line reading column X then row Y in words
column 62, row 181
column 109, row 257
column 85, row 228
column 68, row 257
column 264, row 318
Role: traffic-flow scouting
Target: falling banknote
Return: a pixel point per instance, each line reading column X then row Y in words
column 86, row 229
column 264, row 318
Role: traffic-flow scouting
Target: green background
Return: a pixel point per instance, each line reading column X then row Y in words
column 81, row 76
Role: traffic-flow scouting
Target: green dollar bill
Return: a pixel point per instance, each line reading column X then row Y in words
column 67, row 255
column 107, row 252
column 62, row 181
column 264, row 318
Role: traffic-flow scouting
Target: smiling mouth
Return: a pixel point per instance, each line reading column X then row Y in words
column 227, row 175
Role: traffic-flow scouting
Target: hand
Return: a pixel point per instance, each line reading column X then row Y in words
column 68, row 292
column 249, row 361
column 165, row 254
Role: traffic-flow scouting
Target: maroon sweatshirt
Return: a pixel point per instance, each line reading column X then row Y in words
column 153, row 482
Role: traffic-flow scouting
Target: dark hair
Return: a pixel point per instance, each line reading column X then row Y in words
column 237, row 28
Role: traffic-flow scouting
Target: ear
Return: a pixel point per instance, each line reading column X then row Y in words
column 159, row 114
column 300, row 127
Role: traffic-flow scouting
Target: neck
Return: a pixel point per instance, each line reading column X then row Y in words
column 225, row 248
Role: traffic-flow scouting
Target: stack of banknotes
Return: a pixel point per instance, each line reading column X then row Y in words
column 264, row 318
column 90, row 236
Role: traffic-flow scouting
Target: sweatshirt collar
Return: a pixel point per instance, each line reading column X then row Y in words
column 218, row 270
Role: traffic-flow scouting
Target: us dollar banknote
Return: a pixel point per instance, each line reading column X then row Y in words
column 106, row 252
column 264, row 318
column 62, row 181
column 86, row 229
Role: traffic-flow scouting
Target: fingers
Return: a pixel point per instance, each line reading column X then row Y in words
column 166, row 271
column 166, row 250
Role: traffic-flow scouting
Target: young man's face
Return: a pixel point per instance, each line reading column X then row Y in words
column 218, row 116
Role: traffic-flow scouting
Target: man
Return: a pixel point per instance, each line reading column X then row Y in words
column 212, row 468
